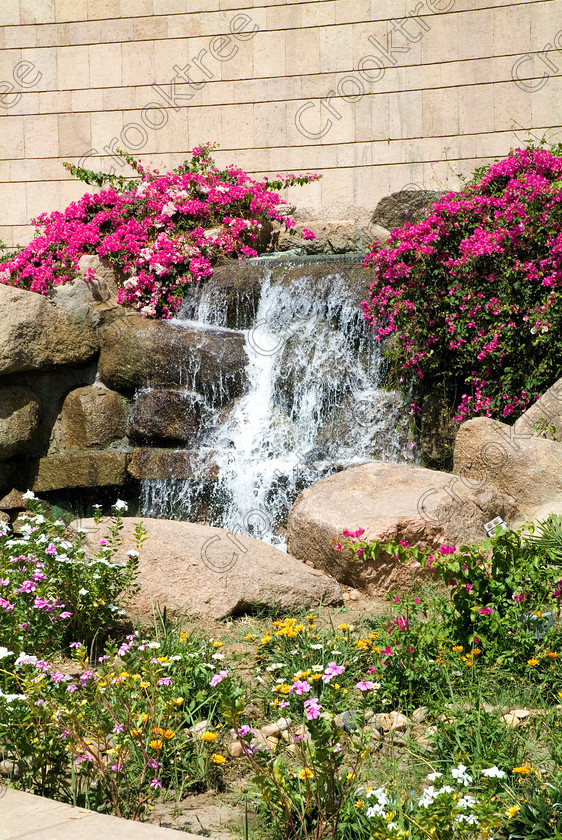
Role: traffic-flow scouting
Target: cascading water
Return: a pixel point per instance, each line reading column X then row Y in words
column 313, row 402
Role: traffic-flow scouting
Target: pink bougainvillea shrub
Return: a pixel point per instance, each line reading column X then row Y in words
column 162, row 230
column 471, row 295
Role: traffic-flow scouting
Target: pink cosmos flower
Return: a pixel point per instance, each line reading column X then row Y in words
column 367, row 685
column 299, row 687
column 332, row 670
column 218, row 678
column 312, row 708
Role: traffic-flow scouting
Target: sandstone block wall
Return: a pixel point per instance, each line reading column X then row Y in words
column 374, row 94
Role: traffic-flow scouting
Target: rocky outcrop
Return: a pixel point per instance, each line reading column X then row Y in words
column 19, row 418
column 396, row 209
column 335, row 236
column 490, row 454
column 198, row 570
column 391, row 502
column 164, row 415
column 160, row 464
column 91, row 294
column 91, row 417
column 138, row 353
column 36, row 336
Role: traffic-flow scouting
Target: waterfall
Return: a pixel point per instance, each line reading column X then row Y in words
column 314, row 401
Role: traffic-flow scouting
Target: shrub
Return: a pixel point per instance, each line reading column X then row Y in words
column 471, row 295
column 163, row 231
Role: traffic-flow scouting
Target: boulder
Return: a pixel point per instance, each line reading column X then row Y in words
column 170, row 464
column 199, row 570
column 543, row 418
column 491, row 454
column 36, row 336
column 90, row 294
column 396, row 209
column 139, row 353
column 90, row 417
column 391, row 502
column 19, row 419
column 13, row 500
column 334, row 236
column 171, row 416
column 82, row 469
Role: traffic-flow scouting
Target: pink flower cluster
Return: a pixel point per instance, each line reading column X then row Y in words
column 471, row 293
column 163, row 232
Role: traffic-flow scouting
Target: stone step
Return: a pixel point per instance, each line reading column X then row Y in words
column 24, row 816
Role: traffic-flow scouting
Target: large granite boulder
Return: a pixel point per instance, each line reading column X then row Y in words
column 164, row 415
column 92, row 293
column 391, row 502
column 396, row 209
column 490, row 454
column 90, row 417
column 199, row 570
column 19, row 419
column 36, row 336
column 140, row 353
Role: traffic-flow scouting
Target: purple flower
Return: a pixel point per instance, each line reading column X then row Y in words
column 153, row 763
column 165, row 681
column 57, row 676
column 155, row 784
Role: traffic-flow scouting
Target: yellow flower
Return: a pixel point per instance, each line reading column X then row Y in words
column 524, row 770
column 302, row 675
column 311, row 617
column 532, row 662
column 552, row 655
column 135, row 733
column 512, row 811
column 457, row 648
column 208, row 736
column 335, row 686
column 249, row 637
column 350, row 776
column 344, row 626
column 359, row 803
column 292, row 633
column 157, row 731
column 216, row 758
column 538, row 613
column 216, row 643
column 156, row 744
column 283, row 688
column 168, row 734
column 315, row 677
column 362, row 643
column 307, row 773
column 344, row 691
column 265, row 639
column 142, row 718
column 144, row 684
column 136, row 677
column 178, row 701
column 184, row 637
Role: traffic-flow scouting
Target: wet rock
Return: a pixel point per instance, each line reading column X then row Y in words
column 90, row 417
column 36, row 336
column 162, row 464
column 229, row 298
column 139, row 353
column 164, row 415
column 19, row 419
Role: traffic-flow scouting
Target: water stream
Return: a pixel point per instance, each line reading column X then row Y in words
column 313, row 403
